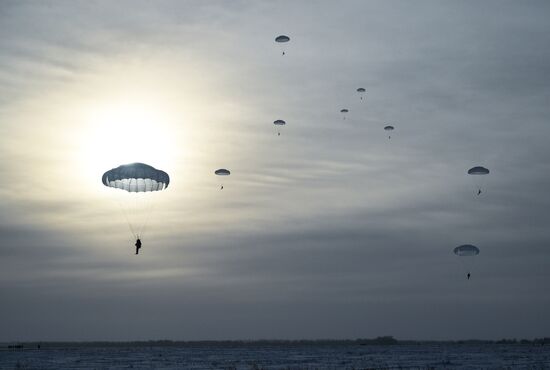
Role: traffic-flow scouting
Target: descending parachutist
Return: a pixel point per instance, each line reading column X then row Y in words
column 468, row 276
column 479, row 192
column 138, row 245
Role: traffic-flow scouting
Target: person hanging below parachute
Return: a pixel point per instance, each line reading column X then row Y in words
column 138, row 245
column 389, row 129
column 282, row 39
column 222, row 172
column 279, row 122
column 361, row 92
column 478, row 171
column 136, row 179
column 467, row 251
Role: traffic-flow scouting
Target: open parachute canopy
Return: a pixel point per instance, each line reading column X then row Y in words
column 389, row 128
column 344, row 110
column 279, row 122
column 136, row 178
column 361, row 90
column 466, row 250
column 282, row 38
column 478, row 170
column 222, row 172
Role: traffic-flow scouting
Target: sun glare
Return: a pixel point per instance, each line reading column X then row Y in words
column 124, row 133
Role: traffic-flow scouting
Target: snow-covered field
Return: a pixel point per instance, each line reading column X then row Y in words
column 441, row 356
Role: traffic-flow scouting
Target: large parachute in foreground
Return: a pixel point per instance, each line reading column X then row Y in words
column 136, row 178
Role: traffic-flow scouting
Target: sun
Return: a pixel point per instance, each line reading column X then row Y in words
column 126, row 132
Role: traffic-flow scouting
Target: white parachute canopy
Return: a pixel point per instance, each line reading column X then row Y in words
column 138, row 182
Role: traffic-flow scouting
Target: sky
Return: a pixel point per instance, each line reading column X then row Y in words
column 330, row 230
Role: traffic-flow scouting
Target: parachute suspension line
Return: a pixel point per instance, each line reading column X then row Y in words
column 149, row 205
column 125, row 213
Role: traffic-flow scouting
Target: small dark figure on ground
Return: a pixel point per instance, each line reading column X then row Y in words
column 138, row 245
column 468, row 276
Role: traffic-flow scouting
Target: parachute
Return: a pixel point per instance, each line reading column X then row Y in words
column 361, row 92
column 478, row 171
column 344, row 112
column 466, row 252
column 139, row 181
column 136, row 178
column 279, row 122
column 222, row 172
column 282, row 39
column 389, row 128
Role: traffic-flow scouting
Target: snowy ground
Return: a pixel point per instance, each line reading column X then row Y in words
column 282, row 357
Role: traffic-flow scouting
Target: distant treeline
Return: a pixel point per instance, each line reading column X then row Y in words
column 386, row 340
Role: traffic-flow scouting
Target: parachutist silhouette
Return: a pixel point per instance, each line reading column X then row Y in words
column 221, row 188
column 479, row 192
column 278, row 134
column 138, row 245
column 468, row 276
column 283, row 53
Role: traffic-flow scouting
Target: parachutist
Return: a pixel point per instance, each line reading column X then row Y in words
column 221, row 188
column 468, row 276
column 278, row 134
column 479, row 192
column 283, row 53
column 138, row 245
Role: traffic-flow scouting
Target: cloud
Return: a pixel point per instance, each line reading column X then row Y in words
column 331, row 229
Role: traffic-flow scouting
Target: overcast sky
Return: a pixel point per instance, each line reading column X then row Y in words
column 330, row 230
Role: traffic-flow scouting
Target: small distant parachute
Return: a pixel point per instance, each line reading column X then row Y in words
column 361, row 92
column 389, row 129
column 279, row 122
column 282, row 39
column 466, row 252
column 222, row 172
column 478, row 171
column 344, row 112
column 138, row 180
